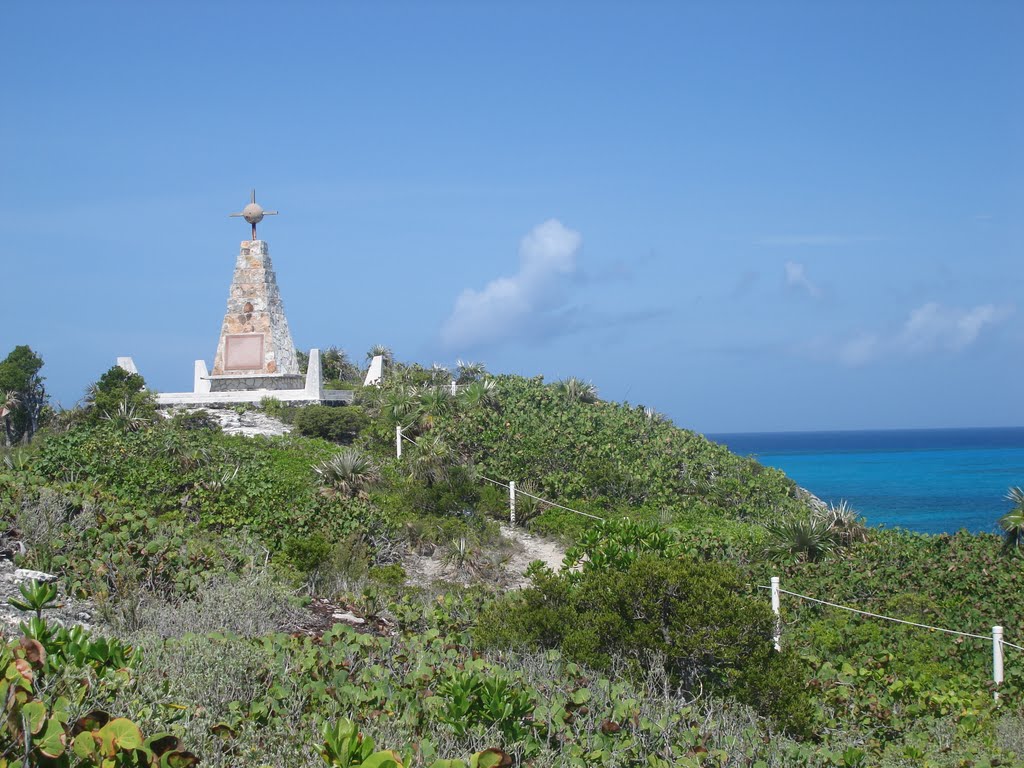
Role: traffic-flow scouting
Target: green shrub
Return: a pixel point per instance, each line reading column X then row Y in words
column 689, row 611
column 337, row 424
column 307, row 553
column 116, row 391
column 388, row 575
column 274, row 407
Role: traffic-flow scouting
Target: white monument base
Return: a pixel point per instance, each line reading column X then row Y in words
column 248, row 393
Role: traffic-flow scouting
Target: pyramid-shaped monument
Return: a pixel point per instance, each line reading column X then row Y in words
column 254, row 337
column 255, row 356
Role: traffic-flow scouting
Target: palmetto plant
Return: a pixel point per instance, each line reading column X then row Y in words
column 848, row 526
column 478, row 393
column 431, row 460
column 1012, row 522
column 127, row 417
column 577, row 391
column 9, row 401
column 385, row 352
column 349, row 472
column 800, row 538
column 401, row 404
column 434, row 403
column 469, row 372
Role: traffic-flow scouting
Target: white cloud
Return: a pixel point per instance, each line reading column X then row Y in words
column 524, row 303
column 796, row 277
column 933, row 326
column 930, row 328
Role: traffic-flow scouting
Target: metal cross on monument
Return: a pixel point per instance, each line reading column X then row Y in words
column 254, row 213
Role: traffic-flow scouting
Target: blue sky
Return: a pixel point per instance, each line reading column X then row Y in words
column 749, row 216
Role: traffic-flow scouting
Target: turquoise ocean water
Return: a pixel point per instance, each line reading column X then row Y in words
column 928, row 480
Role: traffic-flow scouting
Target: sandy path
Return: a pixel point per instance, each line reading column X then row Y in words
column 531, row 547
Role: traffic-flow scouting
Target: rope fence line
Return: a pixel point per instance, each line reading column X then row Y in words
column 560, row 506
column 997, row 640
column 880, row 616
column 998, row 643
column 510, row 485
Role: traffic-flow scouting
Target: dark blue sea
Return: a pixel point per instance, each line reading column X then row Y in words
column 927, row 480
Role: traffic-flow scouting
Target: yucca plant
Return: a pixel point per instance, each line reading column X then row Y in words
column 349, row 473
column 577, row 391
column 1012, row 522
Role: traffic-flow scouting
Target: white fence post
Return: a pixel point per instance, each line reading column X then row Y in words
column 398, row 441
column 997, row 658
column 512, row 501
column 777, row 638
column 455, row 389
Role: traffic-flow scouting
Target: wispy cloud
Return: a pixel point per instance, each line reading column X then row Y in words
column 524, row 304
column 796, row 278
column 929, row 329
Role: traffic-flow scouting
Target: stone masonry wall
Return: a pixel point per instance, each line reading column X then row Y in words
column 249, row 383
column 254, row 306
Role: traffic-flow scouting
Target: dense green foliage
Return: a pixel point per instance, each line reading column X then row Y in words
column 338, row 424
column 653, row 647
column 611, row 455
column 692, row 613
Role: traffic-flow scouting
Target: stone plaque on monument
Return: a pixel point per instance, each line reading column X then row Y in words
column 243, row 352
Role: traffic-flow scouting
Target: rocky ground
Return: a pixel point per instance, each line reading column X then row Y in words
column 249, row 423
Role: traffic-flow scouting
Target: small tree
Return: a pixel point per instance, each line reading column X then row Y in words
column 119, row 391
column 24, row 395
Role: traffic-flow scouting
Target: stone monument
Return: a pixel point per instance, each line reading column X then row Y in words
column 255, row 354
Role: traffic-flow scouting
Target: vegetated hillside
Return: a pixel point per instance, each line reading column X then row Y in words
column 606, row 456
column 654, row 651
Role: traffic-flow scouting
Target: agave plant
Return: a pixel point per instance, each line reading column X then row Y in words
column 349, row 473
column 800, row 538
column 577, row 391
column 1012, row 522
